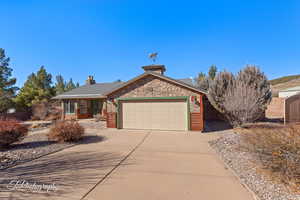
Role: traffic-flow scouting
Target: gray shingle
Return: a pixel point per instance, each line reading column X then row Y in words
column 89, row 91
column 188, row 81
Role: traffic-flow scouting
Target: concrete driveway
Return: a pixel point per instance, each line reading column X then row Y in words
column 133, row 165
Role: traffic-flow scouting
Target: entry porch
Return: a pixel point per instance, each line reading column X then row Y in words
column 83, row 108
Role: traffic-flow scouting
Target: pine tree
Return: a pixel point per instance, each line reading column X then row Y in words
column 60, row 86
column 201, row 76
column 36, row 89
column 212, row 72
column 7, row 88
column 70, row 85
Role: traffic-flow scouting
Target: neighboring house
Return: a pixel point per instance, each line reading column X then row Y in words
column 285, row 107
column 148, row 101
column 289, row 92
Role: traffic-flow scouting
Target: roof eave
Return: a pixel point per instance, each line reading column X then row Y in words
column 78, row 97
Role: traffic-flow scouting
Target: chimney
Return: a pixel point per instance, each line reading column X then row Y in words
column 160, row 69
column 90, row 80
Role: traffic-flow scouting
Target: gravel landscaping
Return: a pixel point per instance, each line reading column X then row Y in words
column 33, row 146
column 242, row 164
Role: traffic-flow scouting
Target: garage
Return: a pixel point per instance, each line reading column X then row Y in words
column 160, row 114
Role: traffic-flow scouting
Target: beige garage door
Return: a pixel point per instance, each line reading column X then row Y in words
column 158, row 115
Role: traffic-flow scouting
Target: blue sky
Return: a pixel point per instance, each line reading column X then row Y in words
column 111, row 39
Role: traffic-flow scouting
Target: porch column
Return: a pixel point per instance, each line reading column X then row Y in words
column 63, row 110
column 76, row 109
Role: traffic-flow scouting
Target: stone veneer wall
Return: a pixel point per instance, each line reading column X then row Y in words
column 151, row 86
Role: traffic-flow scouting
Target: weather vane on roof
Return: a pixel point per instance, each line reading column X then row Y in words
column 153, row 56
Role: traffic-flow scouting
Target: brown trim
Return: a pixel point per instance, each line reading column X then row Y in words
column 84, row 116
column 202, row 110
column 111, row 120
column 197, row 122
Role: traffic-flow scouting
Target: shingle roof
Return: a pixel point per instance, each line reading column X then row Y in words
column 192, row 87
column 101, row 90
column 89, row 91
column 188, row 81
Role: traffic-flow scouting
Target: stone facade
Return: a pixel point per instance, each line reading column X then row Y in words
column 151, row 86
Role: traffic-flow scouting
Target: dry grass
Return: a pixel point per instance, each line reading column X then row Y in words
column 11, row 131
column 277, row 149
column 66, row 131
column 284, row 79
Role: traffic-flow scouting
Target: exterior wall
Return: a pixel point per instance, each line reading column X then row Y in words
column 285, row 94
column 151, row 86
column 111, row 121
column 275, row 109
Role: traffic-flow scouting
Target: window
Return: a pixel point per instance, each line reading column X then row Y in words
column 83, row 106
column 69, row 106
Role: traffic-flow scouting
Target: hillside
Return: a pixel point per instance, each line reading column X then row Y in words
column 284, row 79
column 284, row 83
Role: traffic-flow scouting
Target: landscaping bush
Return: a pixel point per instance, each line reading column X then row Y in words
column 11, row 131
column 66, row 131
column 277, row 149
column 241, row 98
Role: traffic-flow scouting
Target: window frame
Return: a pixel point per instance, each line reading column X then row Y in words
column 69, row 107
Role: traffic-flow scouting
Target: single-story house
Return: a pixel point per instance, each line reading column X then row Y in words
column 148, row 101
column 289, row 92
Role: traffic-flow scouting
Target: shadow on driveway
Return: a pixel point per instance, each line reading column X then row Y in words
column 68, row 171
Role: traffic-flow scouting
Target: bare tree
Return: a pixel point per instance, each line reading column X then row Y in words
column 242, row 104
column 218, row 88
column 242, row 98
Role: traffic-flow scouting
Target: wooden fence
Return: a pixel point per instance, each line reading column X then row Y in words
column 275, row 109
column 292, row 109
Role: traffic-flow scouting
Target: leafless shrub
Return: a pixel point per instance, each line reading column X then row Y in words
column 204, row 84
column 242, row 98
column 11, row 131
column 277, row 150
column 66, row 131
column 242, row 105
column 46, row 111
column 218, row 88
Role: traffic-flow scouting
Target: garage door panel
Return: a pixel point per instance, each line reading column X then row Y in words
column 170, row 115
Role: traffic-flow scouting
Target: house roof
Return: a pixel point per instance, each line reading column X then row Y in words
column 182, row 82
column 188, row 81
column 297, row 88
column 89, row 91
column 101, row 90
